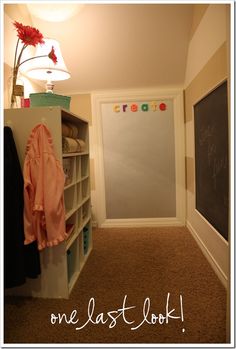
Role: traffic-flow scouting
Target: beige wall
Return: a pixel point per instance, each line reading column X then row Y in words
column 29, row 86
column 81, row 105
column 208, row 36
column 202, row 75
column 18, row 12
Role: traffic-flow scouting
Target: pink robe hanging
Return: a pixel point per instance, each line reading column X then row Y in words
column 44, row 210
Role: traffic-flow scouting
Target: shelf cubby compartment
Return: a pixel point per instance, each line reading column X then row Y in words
column 73, row 262
column 69, row 170
column 79, row 218
column 78, row 168
column 85, row 188
column 70, row 198
column 72, row 226
column 83, row 134
column 84, row 165
column 86, row 210
column 79, row 193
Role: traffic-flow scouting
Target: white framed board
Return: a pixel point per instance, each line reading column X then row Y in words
column 139, row 158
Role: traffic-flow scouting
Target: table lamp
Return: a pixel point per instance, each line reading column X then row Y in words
column 43, row 68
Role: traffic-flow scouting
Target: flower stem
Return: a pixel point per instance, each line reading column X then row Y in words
column 16, row 52
column 13, row 97
column 29, row 59
column 19, row 57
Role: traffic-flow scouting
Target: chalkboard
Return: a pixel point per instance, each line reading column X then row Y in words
column 212, row 159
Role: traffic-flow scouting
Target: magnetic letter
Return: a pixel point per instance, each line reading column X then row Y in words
column 162, row 106
column 116, row 108
column 153, row 106
column 144, row 107
column 134, row 107
column 124, row 107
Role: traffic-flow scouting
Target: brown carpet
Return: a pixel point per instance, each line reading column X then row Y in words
column 140, row 263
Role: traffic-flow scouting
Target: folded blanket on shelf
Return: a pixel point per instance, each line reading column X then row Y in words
column 70, row 130
column 71, row 145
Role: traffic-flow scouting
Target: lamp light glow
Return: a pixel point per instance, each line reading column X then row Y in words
column 43, row 68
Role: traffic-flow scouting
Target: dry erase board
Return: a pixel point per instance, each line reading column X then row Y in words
column 212, row 158
column 139, row 159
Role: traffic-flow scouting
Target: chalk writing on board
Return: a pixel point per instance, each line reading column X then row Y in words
column 218, row 166
column 206, row 134
column 211, row 151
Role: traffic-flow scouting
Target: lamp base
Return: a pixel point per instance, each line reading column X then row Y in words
column 49, row 87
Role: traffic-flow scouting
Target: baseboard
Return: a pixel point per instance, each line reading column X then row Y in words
column 94, row 224
column 141, row 222
column 215, row 266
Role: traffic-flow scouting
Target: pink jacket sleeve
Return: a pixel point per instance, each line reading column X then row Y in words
column 53, row 192
column 29, row 194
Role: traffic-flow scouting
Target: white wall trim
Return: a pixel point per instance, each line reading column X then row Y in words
column 141, row 222
column 217, row 269
column 176, row 94
column 225, row 242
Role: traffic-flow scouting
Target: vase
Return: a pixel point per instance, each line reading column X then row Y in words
column 17, row 90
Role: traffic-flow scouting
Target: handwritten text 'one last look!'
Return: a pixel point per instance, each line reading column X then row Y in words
column 110, row 318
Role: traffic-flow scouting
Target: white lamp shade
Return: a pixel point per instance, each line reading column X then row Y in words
column 43, row 68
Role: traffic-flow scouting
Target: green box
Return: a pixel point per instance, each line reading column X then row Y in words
column 49, row 100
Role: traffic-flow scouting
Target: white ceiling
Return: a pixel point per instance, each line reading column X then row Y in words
column 119, row 46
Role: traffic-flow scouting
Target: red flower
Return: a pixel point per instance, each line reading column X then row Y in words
column 52, row 55
column 28, row 35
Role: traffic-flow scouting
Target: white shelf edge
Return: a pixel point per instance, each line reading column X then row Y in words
column 76, row 274
column 76, row 181
column 71, row 239
column 70, row 213
column 70, row 185
column 84, row 177
column 73, row 183
column 74, row 236
column 67, row 155
column 85, row 222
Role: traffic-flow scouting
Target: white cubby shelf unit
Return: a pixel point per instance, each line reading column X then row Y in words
column 61, row 264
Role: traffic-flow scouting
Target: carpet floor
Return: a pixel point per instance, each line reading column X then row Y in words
column 140, row 285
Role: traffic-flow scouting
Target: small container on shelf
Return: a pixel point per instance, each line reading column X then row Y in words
column 25, row 102
column 49, row 99
column 68, row 170
column 86, row 239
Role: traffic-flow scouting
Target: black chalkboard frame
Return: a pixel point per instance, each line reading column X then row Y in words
column 211, row 139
